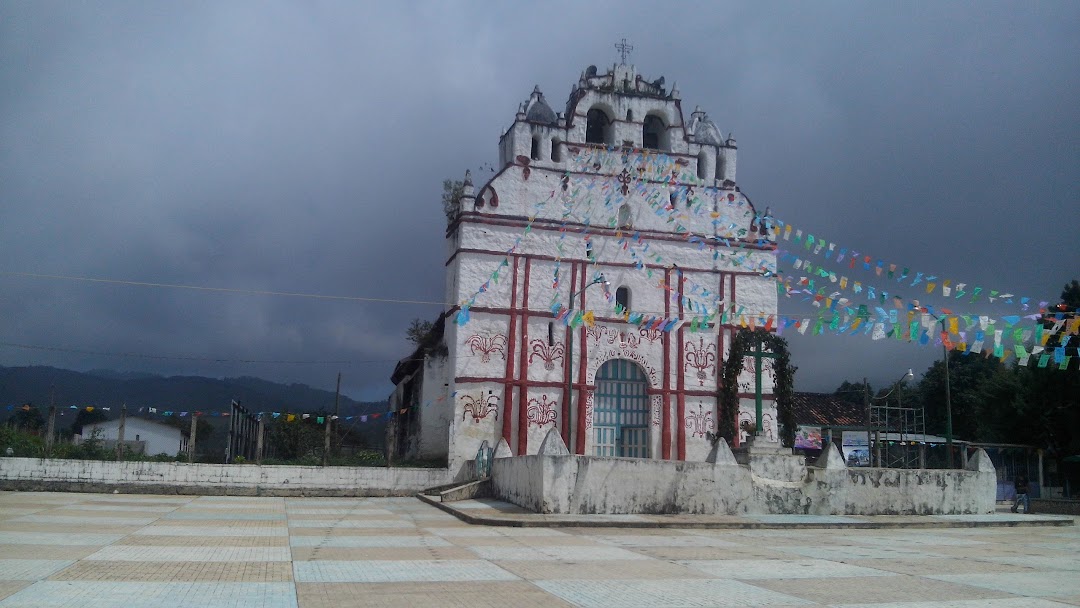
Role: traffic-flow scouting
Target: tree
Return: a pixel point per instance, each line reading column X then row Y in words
column 453, row 190
column 418, row 331
column 968, row 376
column 851, row 392
column 27, row 417
column 1047, row 400
column 87, row 416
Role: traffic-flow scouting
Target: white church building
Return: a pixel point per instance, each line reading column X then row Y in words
column 633, row 209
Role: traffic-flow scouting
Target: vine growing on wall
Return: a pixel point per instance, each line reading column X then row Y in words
column 741, row 344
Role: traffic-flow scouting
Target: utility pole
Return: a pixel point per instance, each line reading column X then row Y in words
column 337, row 413
column 51, row 429
column 191, row 439
column 866, row 404
column 120, row 433
column 259, row 442
column 948, row 404
column 326, row 443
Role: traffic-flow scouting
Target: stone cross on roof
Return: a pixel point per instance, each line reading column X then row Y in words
column 624, row 49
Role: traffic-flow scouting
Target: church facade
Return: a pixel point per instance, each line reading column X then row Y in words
column 598, row 276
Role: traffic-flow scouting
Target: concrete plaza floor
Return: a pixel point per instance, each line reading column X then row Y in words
column 136, row 551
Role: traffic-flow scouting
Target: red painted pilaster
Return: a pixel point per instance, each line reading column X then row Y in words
column 737, row 440
column 719, row 350
column 523, row 366
column 579, row 433
column 680, row 422
column 665, row 429
column 564, row 420
column 511, row 339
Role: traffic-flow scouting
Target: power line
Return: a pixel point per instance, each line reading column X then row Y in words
column 192, row 358
column 259, row 292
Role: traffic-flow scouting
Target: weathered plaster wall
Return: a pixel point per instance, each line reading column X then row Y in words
column 183, row 478
column 574, row 484
column 159, row 438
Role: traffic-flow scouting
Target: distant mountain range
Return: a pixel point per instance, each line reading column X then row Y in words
column 42, row 386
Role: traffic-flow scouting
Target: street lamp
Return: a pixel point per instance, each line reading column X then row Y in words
column 570, row 353
column 948, row 396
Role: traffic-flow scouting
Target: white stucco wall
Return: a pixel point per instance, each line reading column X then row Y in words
column 175, row 477
column 159, row 438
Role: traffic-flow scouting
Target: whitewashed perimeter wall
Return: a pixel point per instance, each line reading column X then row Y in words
column 174, row 477
column 480, row 348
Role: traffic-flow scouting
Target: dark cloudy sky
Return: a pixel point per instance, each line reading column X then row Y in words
column 301, row 147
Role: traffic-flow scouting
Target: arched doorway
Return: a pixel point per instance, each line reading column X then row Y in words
column 621, row 411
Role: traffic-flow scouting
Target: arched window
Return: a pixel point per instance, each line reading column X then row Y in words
column 622, row 297
column 624, row 216
column 720, row 168
column 597, row 126
column 535, row 155
column 652, row 132
column 551, row 334
column 702, row 167
column 673, row 198
column 629, row 116
column 556, row 153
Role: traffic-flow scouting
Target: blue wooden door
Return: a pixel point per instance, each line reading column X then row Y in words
column 621, row 411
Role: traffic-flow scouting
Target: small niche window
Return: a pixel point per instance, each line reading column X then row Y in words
column 624, row 216
column 702, row 167
column 556, row 153
column 597, row 126
column 535, row 148
column 629, row 116
column 652, row 131
column 622, row 297
column 719, row 168
column 588, row 250
column 551, row 334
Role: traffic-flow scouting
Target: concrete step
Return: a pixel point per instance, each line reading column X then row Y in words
column 464, row 491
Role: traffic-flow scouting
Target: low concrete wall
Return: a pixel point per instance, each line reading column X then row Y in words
column 213, row 479
column 1060, row 506
column 586, row 485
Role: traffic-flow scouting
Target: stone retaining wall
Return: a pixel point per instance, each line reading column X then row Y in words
column 586, row 485
column 39, row 474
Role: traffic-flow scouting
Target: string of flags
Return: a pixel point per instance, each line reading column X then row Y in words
column 288, row 417
column 831, row 251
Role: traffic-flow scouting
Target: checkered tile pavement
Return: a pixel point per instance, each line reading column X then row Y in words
column 135, row 551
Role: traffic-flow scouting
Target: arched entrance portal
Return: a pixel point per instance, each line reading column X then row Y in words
column 621, row 411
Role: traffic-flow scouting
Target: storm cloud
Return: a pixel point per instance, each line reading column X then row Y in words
column 301, row 147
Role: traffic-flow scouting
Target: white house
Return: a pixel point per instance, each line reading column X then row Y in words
column 158, row 438
column 635, row 210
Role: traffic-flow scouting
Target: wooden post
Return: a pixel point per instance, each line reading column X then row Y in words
column 337, row 396
column 259, row 442
column 191, row 439
column 326, row 442
column 120, row 433
column 50, row 431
